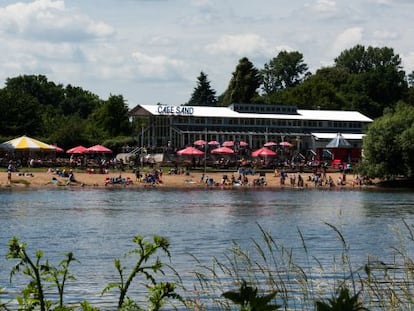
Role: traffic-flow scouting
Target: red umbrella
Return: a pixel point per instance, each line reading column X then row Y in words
column 222, row 150
column 263, row 152
column 285, row 144
column 98, row 149
column 199, row 142
column 243, row 144
column 78, row 149
column 213, row 143
column 228, row 143
column 58, row 149
column 190, row 151
column 270, row 144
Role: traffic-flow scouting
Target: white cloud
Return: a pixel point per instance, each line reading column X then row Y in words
column 347, row 39
column 49, row 20
column 385, row 35
column 157, row 66
column 240, row 45
column 325, row 6
column 408, row 62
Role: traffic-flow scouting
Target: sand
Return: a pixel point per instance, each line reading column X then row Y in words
column 39, row 179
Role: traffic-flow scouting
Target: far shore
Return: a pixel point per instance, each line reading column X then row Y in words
column 192, row 180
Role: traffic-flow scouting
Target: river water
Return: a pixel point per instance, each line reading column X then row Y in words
column 98, row 225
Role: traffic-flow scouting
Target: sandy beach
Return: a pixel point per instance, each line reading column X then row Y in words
column 39, row 179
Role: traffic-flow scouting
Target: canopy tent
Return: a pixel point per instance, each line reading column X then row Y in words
column 26, row 143
column 264, row 152
column 285, row 144
column 77, row 150
column 270, row 144
column 228, row 143
column 58, row 149
column 222, row 151
column 339, row 142
column 213, row 143
column 190, row 151
column 199, row 142
column 98, row 149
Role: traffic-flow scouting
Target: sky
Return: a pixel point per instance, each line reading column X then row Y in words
column 152, row 51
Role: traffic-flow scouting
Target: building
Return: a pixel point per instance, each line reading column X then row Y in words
column 256, row 124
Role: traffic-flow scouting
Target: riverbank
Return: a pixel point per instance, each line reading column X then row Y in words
column 195, row 179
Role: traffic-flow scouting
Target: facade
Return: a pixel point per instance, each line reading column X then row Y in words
column 256, row 124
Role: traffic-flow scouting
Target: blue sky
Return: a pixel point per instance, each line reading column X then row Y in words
column 152, row 51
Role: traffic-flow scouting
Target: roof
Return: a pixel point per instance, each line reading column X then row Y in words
column 338, row 142
column 225, row 112
column 333, row 135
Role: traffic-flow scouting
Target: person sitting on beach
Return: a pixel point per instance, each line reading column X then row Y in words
column 71, row 177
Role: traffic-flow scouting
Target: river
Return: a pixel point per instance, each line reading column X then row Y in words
column 98, row 225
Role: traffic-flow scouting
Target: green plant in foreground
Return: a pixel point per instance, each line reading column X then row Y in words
column 249, row 299
column 341, row 302
column 158, row 292
column 41, row 274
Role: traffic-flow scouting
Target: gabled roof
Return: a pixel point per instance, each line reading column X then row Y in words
column 338, row 142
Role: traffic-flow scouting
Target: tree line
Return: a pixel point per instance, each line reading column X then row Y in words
column 365, row 79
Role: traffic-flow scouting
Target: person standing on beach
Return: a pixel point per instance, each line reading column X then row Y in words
column 9, row 172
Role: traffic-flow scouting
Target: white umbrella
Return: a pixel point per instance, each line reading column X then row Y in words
column 26, row 143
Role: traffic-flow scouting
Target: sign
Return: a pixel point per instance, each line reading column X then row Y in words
column 176, row 110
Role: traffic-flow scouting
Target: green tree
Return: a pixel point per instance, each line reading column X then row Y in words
column 203, row 94
column 286, row 70
column 243, row 84
column 319, row 91
column 78, row 101
column 47, row 93
column 376, row 72
column 71, row 131
column 111, row 118
column 388, row 147
column 20, row 114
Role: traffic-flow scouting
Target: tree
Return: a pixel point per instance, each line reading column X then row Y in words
column 112, row 117
column 78, row 101
column 19, row 114
column 46, row 92
column 319, row 91
column 388, row 147
column 243, row 84
column 378, row 73
column 203, row 94
column 286, row 70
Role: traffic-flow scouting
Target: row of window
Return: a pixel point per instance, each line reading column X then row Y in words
column 255, row 108
column 267, row 122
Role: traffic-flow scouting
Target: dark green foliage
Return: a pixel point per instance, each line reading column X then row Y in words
column 342, row 301
column 249, row 299
column 243, row 84
column 203, row 94
column 368, row 80
column 112, row 117
column 388, row 145
column 286, row 70
column 377, row 73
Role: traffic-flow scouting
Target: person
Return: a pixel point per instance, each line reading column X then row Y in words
column 137, row 175
column 71, row 177
column 9, row 171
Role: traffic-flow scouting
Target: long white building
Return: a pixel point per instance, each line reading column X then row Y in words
column 256, row 124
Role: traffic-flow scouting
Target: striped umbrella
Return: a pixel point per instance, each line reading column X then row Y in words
column 26, row 143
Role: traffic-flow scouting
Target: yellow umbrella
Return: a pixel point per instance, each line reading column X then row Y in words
column 25, row 143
